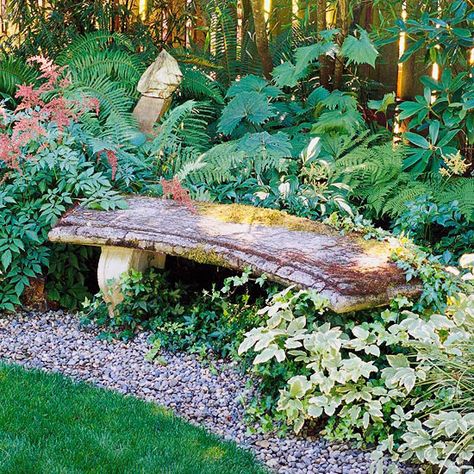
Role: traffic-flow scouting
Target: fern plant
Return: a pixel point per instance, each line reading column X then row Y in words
column 222, row 18
column 376, row 175
column 13, row 72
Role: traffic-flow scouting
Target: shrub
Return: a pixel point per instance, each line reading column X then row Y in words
column 400, row 377
column 45, row 169
column 180, row 315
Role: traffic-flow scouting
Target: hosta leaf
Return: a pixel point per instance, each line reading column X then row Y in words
column 359, row 50
column 246, row 344
column 266, row 354
column 299, row 385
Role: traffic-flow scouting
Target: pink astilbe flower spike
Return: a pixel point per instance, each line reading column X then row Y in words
column 172, row 188
column 37, row 112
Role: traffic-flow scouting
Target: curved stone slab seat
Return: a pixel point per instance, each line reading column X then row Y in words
column 351, row 272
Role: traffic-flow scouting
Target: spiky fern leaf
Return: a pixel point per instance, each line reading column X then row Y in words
column 119, row 65
column 375, row 174
column 185, row 125
column 222, row 16
column 115, row 105
column 14, row 72
column 193, row 131
column 196, row 84
column 196, row 57
column 462, row 191
column 218, row 163
column 403, row 193
column 253, row 153
column 90, row 43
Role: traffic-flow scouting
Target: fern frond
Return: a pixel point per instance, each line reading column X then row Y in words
column 14, row 72
column 171, row 133
column 91, row 42
column 196, row 84
column 462, row 191
column 253, row 153
column 218, row 163
column 116, row 64
column 115, row 105
column 222, row 15
column 195, row 58
column 193, row 131
column 404, row 194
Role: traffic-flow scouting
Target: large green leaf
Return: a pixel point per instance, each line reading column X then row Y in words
column 285, row 75
column 253, row 83
column 359, row 50
column 417, row 140
column 248, row 106
column 277, row 144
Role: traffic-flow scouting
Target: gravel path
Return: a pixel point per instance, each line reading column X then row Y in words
column 54, row 341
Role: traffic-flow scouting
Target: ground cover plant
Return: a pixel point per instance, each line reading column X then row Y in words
column 51, row 424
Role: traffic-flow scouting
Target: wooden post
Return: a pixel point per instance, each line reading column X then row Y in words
column 410, row 71
column 156, row 85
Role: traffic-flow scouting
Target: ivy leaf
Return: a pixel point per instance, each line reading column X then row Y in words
column 359, row 50
column 250, row 106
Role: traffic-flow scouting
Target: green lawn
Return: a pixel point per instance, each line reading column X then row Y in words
column 49, row 424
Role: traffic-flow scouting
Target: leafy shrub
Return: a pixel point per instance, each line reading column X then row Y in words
column 440, row 226
column 180, row 315
column 382, row 379
column 45, row 169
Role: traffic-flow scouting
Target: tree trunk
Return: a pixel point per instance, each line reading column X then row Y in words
column 321, row 24
column 261, row 37
column 280, row 17
column 199, row 30
column 343, row 23
column 249, row 62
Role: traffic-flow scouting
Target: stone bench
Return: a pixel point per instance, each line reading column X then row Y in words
column 351, row 272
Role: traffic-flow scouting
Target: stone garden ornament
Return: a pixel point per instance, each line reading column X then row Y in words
column 157, row 86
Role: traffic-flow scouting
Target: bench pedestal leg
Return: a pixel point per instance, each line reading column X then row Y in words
column 114, row 261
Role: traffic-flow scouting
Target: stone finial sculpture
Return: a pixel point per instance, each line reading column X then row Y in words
column 156, row 86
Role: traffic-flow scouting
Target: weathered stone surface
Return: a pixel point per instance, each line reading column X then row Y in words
column 156, row 86
column 161, row 78
column 351, row 272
